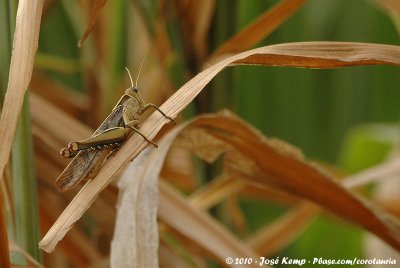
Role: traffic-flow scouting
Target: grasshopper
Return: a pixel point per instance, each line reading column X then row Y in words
column 89, row 154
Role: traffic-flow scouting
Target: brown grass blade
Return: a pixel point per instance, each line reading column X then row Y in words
column 305, row 54
column 24, row 49
column 98, row 6
column 259, row 29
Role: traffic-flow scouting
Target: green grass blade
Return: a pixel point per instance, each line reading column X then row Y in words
column 25, row 188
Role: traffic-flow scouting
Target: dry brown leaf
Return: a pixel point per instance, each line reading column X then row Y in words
column 304, row 54
column 259, row 29
column 24, row 49
column 271, row 238
column 208, row 148
column 98, row 6
column 252, row 157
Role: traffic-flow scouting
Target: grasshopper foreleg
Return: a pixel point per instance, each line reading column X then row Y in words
column 151, row 105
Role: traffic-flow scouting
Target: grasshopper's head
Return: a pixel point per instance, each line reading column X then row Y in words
column 134, row 93
column 133, row 90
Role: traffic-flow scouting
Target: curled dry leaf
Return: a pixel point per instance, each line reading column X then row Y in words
column 304, row 54
column 24, row 49
column 250, row 156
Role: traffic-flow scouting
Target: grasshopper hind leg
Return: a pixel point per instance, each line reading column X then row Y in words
column 111, row 137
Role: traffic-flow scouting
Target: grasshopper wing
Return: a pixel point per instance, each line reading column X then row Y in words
column 114, row 119
column 84, row 165
column 87, row 163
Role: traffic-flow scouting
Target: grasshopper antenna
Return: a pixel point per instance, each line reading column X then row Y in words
column 140, row 70
column 130, row 77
